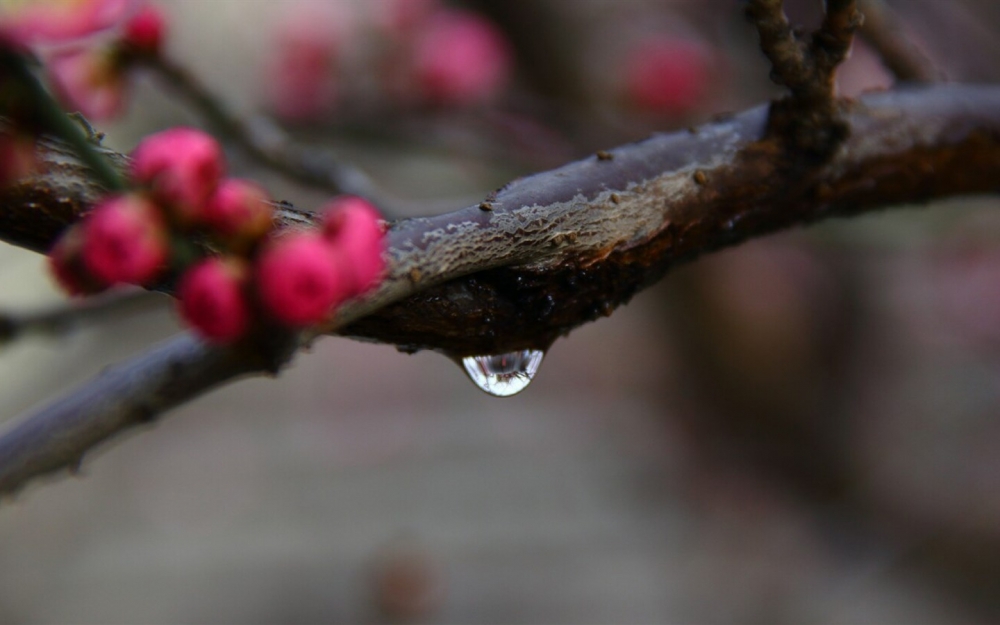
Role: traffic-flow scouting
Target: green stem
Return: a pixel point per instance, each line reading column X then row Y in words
column 54, row 120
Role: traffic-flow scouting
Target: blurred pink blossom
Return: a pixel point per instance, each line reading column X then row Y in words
column 182, row 167
column 88, row 80
column 353, row 226
column 239, row 209
column 667, row 75
column 301, row 80
column 461, row 59
column 145, row 30
column 300, row 279
column 211, row 299
column 59, row 21
column 125, row 241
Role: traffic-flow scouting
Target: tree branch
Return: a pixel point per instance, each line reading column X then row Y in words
column 560, row 248
column 64, row 318
column 542, row 255
column 831, row 43
column 567, row 246
column 269, row 145
column 58, row 435
column 810, row 118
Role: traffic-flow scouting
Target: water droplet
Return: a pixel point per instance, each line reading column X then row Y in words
column 503, row 375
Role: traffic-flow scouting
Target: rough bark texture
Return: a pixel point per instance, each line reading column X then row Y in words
column 542, row 255
column 554, row 250
column 564, row 247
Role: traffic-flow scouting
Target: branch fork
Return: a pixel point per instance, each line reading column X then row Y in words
column 810, row 117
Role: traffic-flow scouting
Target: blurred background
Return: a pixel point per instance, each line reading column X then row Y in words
column 801, row 429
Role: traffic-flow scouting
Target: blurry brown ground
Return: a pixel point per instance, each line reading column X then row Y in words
column 802, row 429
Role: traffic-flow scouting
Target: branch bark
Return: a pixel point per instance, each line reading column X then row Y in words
column 541, row 256
column 126, row 396
column 554, row 250
column 810, row 117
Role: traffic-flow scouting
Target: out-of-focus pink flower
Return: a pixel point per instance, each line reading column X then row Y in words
column 66, row 264
column 460, row 59
column 301, row 80
column 125, row 240
column 300, row 279
column 59, row 21
column 239, row 210
column 212, row 299
column 89, row 81
column 667, row 75
column 18, row 157
column 353, row 226
column 145, row 30
column 182, row 167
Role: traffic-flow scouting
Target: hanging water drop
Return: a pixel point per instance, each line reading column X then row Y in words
column 503, row 375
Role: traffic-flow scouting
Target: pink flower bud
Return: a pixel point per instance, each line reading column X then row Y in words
column 461, row 59
column 667, row 75
column 300, row 280
column 301, row 79
column 182, row 167
column 211, row 299
column 145, row 31
column 66, row 264
column 125, row 240
column 59, row 21
column 239, row 210
column 353, row 226
column 88, row 80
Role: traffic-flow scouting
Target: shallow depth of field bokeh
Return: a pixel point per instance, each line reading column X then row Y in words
column 803, row 428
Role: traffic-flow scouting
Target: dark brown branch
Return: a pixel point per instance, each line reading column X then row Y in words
column 789, row 64
column 881, row 29
column 831, row 43
column 560, row 248
column 567, row 246
column 57, row 436
column 810, row 118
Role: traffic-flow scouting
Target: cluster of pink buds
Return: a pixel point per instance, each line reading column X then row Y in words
column 89, row 76
column 293, row 278
column 87, row 73
column 425, row 54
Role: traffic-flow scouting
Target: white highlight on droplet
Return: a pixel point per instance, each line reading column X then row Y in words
column 503, row 375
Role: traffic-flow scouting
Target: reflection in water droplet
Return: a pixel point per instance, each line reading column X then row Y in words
column 503, row 375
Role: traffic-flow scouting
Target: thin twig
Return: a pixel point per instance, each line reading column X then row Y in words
column 59, row 320
column 270, row 146
column 810, row 117
column 882, row 30
column 831, row 43
column 789, row 65
column 54, row 121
